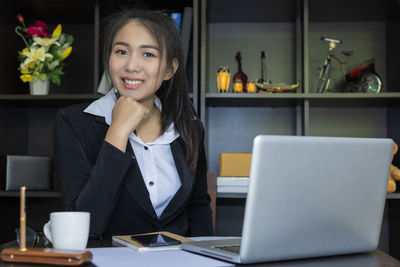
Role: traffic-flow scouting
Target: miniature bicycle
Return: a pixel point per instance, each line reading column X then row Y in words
column 360, row 77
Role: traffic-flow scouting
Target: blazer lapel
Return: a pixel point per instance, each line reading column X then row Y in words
column 186, row 177
column 134, row 182
column 100, row 128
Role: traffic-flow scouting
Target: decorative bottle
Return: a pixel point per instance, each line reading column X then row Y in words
column 240, row 75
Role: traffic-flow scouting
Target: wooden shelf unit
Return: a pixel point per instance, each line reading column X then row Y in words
column 28, row 120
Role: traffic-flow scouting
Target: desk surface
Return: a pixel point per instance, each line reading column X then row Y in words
column 376, row 258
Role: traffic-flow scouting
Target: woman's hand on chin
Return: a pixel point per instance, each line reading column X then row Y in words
column 126, row 116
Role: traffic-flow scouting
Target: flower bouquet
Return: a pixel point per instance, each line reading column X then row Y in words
column 44, row 54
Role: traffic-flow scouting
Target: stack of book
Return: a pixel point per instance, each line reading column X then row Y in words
column 232, row 184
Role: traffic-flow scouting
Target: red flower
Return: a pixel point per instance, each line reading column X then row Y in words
column 20, row 18
column 40, row 24
column 36, row 31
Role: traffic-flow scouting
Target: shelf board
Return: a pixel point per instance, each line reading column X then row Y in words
column 292, row 99
column 383, row 95
column 244, row 195
column 49, row 97
column 231, row 195
column 38, row 194
column 354, row 99
column 251, row 100
column 54, row 97
column 393, row 196
column 256, row 95
column 56, row 100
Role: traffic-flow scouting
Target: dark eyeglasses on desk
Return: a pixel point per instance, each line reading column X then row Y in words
column 38, row 239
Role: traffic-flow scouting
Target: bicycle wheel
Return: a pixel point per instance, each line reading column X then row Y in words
column 323, row 81
column 370, row 82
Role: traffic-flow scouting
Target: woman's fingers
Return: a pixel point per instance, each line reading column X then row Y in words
column 126, row 116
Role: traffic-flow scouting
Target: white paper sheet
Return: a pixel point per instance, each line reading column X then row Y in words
column 122, row 256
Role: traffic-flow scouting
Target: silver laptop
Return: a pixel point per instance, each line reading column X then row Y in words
column 309, row 197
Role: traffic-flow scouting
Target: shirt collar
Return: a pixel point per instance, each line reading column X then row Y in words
column 103, row 107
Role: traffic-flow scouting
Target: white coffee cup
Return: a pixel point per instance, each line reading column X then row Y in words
column 68, row 230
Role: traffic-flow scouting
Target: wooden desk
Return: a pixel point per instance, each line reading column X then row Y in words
column 376, row 258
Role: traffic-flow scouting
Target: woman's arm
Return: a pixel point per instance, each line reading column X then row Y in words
column 87, row 185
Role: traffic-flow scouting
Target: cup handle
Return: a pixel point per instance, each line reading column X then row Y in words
column 47, row 232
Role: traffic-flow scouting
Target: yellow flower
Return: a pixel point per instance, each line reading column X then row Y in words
column 36, row 55
column 22, row 51
column 57, row 31
column 26, row 78
column 66, row 53
column 45, row 42
column 24, row 68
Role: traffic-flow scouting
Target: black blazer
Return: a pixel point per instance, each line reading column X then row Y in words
column 99, row 178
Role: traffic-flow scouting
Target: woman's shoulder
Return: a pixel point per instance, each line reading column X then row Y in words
column 75, row 113
column 198, row 123
column 199, row 127
column 76, row 108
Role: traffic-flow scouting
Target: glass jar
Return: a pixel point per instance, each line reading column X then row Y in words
column 237, row 86
column 223, row 78
column 251, row 86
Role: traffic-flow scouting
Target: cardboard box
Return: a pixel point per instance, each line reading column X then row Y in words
column 234, row 164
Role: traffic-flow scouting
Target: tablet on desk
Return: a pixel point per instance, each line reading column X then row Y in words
column 155, row 240
column 151, row 241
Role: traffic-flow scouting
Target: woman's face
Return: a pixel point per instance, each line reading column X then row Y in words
column 136, row 66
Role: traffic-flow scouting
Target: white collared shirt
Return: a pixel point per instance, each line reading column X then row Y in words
column 155, row 158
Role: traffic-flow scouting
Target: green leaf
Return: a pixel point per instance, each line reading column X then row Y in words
column 42, row 76
column 21, row 58
column 69, row 38
column 55, row 78
column 55, row 75
column 58, row 71
column 61, row 40
column 53, row 48
column 34, row 78
column 40, row 67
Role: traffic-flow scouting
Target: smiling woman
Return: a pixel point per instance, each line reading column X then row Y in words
column 135, row 158
column 137, row 68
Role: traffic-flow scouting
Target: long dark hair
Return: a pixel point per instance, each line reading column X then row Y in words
column 176, row 104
